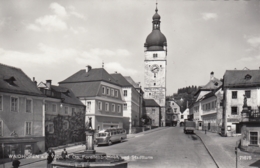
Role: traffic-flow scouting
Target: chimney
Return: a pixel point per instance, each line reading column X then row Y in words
column 48, row 84
column 34, row 81
column 212, row 75
column 88, row 68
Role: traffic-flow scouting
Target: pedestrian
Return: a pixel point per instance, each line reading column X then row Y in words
column 64, row 154
column 16, row 163
column 51, row 155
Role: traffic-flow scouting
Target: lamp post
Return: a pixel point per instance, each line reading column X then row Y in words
column 3, row 147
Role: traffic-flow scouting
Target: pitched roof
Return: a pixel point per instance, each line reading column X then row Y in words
column 130, row 80
column 86, row 89
column 241, row 78
column 150, row 103
column 98, row 74
column 121, row 80
column 67, row 95
column 212, row 85
column 14, row 80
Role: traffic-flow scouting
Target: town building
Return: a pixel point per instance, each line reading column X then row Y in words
column 238, row 83
column 21, row 114
column 132, row 101
column 172, row 112
column 101, row 94
column 183, row 116
column 212, row 110
column 64, row 115
column 153, row 111
column 155, row 65
column 197, row 109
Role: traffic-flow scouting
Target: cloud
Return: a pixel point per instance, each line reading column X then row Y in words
column 49, row 23
column 58, row 9
column 56, row 21
column 246, row 59
column 209, row 16
column 111, row 67
column 254, row 41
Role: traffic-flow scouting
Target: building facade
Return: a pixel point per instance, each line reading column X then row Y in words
column 155, row 65
column 64, row 116
column 172, row 112
column 131, row 108
column 21, row 114
column 153, row 111
column 237, row 84
column 101, row 94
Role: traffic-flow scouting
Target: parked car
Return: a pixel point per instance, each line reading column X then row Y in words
column 110, row 135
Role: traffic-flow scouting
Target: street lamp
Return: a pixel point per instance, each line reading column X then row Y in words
column 3, row 147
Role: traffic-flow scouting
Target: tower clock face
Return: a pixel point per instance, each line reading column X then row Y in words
column 155, row 68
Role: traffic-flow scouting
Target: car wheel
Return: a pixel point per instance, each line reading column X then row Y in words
column 109, row 142
column 121, row 140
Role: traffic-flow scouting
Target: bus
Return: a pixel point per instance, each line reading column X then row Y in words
column 110, row 135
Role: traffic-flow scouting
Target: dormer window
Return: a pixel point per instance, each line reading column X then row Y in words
column 248, row 77
column 216, row 83
column 10, row 80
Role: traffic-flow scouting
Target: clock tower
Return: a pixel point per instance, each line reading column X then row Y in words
column 155, row 52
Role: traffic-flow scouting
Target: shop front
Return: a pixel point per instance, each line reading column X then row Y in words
column 18, row 147
column 103, row 122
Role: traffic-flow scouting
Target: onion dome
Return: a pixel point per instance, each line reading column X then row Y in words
column 156, row 41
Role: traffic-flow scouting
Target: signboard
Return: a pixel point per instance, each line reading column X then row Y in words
column 233, row 120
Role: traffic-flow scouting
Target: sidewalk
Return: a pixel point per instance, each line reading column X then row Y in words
column 129, row 136
column 41, row 157
column 222, row 149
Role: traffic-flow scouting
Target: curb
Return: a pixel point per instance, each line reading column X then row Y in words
column 207, row 150
column 143, row 133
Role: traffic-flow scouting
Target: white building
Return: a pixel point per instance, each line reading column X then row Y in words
column 238, row 83
column 183, row 116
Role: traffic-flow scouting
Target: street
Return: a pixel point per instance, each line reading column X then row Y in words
column 168, row 147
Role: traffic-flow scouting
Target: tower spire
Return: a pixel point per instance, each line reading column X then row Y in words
column 156, row 10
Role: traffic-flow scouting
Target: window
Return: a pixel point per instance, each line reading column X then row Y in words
column 153, row 111
column 73, row 110
column 1, row 128
column 107, row 107
column 99, row 105
column 88, row 105
column 125, row 106
column 234, row 94
column 28, row 105
column 28, row 128
column 175, row 109
column 233, row 110
column 51, row 128
column 248, row 93
column 1, row 102
column 112, row 92
column 108, row 91
column 154, row 84
column 154, row 75
column 116, row 93
column 66, row 110
column 253, row 138
column 125, row 93
column 113, row 107
column 46, row 107
column 181, row 116
column 103, row 90
column 150, row 94
column 119, row 108
column 54, row 108
column 155, row 55
column 14, row 104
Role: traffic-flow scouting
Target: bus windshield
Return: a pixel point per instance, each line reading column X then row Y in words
column 104, row 134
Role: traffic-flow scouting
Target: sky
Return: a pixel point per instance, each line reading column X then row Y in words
column 55, row 39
